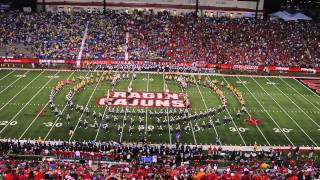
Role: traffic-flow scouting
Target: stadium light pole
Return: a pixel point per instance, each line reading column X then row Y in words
column 197, row 8
column 43, row 6
column 257, row 9
column 104, row 6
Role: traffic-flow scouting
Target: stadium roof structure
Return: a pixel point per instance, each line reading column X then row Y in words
column 289, row 16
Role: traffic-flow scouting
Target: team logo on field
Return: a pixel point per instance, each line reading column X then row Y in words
column 313, row 84
column 144, row 99
column 253, row 121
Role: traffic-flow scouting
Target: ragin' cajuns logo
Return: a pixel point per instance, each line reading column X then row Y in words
column 145, row 99
column 313, row 84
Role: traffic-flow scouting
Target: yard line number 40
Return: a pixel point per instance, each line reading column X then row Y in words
column 12, row 123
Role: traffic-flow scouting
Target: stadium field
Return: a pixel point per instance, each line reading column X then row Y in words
column 280, row 111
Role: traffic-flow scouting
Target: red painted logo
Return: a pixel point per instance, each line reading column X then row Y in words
column 253, row 121
column 145, row 99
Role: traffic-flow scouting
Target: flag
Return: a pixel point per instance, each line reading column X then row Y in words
column 178, row 136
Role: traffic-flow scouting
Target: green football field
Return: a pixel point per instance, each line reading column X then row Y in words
column 289, row 112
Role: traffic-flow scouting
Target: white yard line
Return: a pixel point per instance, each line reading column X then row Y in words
column 58, row 118
column 13, row 82
column 7, row 75
column 267, row 113
column 232, row 118
column 146, row 126
column 164, row 89
column 125, row 116
column 14, row 117
column 94, row 90
column 283, row 110
column 191, row 127
column 295, row 104
column 265, row 138
column 205, row 104
column 38, row 115
column 104, row 113
column 21, row 90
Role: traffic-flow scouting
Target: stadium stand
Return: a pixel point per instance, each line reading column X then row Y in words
column 161, row 36
column 155, row 37
column 88, row 160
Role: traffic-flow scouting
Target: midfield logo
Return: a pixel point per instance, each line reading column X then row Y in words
column 145, row 99
column 313, row 84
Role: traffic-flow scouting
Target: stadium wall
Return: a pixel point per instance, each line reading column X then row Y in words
column 230, row 8
column 4, row 60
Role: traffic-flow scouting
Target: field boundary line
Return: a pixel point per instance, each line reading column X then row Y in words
column 94, row 90
column 295, row 104
column 164, row 89
column 27, row 103
column 58, row 118
column 205, row 147
column 125, row 115
column 287, row 114
column 267, row 113
column 8, row 75
column 13, row 82
column 21, row 90
column 151, row 72
column 265, row 138
column 38, row 115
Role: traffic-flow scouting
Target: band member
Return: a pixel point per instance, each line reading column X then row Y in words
column 80, row 125
column 217, row 122
column 60, row 114
column 94, row 114
column 86, row 110
column 95, row 124
column 160, row 130
column 100, row 116
column 68, row 118
column 85, row 124
column 129, row 90
column 238, row 115
column 131, row 121
column 131, row 128
column 211, row 123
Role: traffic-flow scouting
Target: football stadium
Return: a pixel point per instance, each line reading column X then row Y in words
column 108, row 89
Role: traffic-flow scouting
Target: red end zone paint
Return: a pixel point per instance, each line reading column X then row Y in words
column 313, row 84
column 253, row 121
column 144, row 99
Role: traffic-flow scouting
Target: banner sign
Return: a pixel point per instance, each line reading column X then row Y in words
column 200, row 64
column 19, row 60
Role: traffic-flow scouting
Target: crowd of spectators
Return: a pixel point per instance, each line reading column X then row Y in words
column 90, row 160
column 162, row 36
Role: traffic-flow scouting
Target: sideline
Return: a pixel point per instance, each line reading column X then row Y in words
column 153, row 72
column 205, row 147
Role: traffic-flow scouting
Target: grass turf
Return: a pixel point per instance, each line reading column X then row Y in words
column 289, row 111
